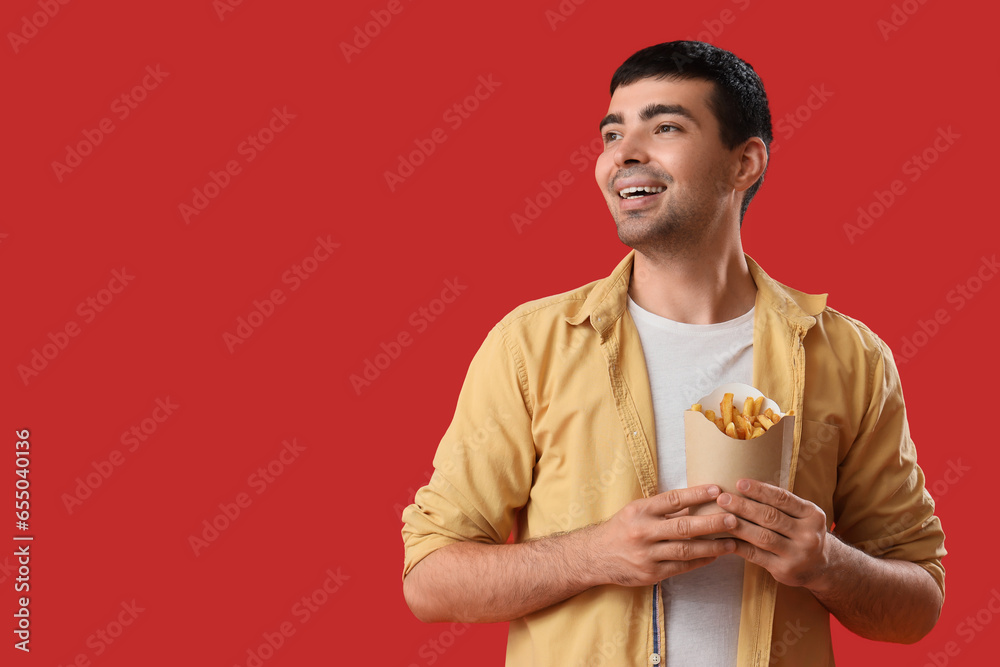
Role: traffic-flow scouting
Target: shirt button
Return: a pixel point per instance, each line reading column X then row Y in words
column 654, row 658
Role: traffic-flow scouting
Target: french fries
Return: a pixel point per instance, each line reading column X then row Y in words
column 746, row 425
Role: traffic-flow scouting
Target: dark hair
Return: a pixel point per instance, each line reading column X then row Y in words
column 739, row 101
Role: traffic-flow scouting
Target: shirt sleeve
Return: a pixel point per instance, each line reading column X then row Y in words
column 881, row 503
column 484, row 463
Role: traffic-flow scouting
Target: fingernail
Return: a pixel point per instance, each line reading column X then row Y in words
column 730, row 521
column 713, row 491
column 724, row 499
column 743, row 485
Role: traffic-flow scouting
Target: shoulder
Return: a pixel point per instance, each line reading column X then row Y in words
column 846, row 345
column 846, row 330
column 827, row 326
column 550, row 310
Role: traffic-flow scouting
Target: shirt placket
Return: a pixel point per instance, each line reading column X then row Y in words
column 755, row 640
column 642, row 460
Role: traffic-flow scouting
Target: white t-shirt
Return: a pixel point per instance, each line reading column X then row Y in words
column 684, row 362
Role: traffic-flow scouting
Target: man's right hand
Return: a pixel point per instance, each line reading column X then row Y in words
column 648, row 539
column 644, row 542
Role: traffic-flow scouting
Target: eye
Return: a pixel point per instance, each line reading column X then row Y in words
column 611, row 136
column 666, row 128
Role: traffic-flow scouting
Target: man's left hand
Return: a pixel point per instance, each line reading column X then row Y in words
column 779, row 531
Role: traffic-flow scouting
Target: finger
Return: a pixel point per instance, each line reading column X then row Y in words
column 756, row 555
column 676, row 567
column 761, row 514
column 684, row 512
column 686, row 527
column 675, row 500
column 764, row 540
column 787, row 502
column 685, row 550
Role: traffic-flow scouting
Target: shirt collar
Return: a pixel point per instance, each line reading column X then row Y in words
column 609, row 298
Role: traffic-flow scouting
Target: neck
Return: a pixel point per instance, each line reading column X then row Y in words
column 698, row 288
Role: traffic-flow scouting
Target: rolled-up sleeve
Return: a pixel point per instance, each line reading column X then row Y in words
column 484, row 463
column 881, row 503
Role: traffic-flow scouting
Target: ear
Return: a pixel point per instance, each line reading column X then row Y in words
column 752, row 162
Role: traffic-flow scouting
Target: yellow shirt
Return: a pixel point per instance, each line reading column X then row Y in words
column 554, row 431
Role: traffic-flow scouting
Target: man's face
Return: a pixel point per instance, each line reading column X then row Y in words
column 661, row 134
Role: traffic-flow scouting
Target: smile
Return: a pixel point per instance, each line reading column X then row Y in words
column 640, row 191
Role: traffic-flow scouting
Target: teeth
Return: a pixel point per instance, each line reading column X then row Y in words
column 628, row 193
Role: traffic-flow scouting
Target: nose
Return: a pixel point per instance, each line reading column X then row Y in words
column 631, row 149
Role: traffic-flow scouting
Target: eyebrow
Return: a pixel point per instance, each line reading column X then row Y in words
column 651, row 111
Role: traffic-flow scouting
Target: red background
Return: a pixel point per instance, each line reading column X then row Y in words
column 337, row 504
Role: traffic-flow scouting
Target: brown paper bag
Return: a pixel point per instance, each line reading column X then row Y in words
column 715, row 458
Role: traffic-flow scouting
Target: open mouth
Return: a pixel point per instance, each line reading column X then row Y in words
column 640, row 191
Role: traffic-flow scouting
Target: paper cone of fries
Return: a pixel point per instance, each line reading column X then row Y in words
column 713, row 457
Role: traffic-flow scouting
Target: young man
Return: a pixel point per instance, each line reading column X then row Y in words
column 569, row 429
